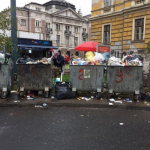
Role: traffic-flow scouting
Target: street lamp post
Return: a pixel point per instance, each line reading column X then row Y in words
column 14, row 33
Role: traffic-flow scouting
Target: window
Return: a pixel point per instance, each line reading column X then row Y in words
column 58, row 27
column 139, row 29
column 47, row 25
column 77, row 53
column 76, row 29
column 23, row 22
column 76, row 41
column 38, row 23
column 58, row 40
column 47, row 37
column 67, row 41
column 106, row 34
column 84, row 39
column 107, row 3
column 67, row 28
column 38, row 9
column 84, row 30
column 139, row 1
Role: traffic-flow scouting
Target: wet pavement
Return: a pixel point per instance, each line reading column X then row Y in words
column 14, row 100
column 74, row 129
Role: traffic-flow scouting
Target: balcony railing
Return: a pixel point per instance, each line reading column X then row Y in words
column 67, row 32
column 85, row 34
column 49, row 30
column 139, row 1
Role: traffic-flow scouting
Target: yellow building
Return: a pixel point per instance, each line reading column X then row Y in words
column 123, row 24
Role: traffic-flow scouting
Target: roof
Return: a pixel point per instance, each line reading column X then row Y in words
column 60, row 11
column 87, row 16
column 34, row 3
column 64, row 1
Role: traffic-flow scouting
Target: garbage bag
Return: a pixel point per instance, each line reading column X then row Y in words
column 2, row 58
column 62, row 91
column 145, row 97
column 89, row 56
column 99, row 56
column 25, row 59
column 139, row 57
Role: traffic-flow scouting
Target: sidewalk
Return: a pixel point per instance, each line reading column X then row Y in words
column 14, row 101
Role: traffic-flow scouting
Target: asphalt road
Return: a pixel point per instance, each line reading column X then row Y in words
column 74, row 129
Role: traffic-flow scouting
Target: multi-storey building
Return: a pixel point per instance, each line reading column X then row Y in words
column 56, row 20
column 123, row 24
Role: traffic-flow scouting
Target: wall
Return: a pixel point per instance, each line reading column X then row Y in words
column 122, row 25
column 116, row 5
column 22, row 34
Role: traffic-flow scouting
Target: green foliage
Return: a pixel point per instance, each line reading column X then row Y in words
column 148, row 47
column 5, row 24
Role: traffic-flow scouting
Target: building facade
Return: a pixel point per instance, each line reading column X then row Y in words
column 56, row 20
column 123, row 24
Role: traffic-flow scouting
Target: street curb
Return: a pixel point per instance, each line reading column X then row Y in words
column 88, row 105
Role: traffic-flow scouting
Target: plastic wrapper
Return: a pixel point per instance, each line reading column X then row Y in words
column 128, row 60
column 99, row 57
column 2, row 58
column 89, row 56
column 113, row 61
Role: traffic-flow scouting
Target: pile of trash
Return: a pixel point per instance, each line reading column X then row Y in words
column 128, row 60
column 4, row 57
column 28, row 60
column 90, row 59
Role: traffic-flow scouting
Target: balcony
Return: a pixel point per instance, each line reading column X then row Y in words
column 85, row 34
column 38, row 29
column 67, row 32
column 107, row 9
column 48, row 30
column 139, row 1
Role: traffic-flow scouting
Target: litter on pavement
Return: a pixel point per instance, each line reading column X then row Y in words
column 112, row 100
column 13, row 91
column 44, row 105
column 120, row 102
column 84, row 98
column 129, row 101
column 111, row 104
column 16, row 101
column 29, row 98
column 38, row 106
column 121, row 124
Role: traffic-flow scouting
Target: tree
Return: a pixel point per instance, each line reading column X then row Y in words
column 5, row 24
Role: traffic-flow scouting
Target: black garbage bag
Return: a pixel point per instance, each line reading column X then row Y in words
column 145, row 97
column 7, row 55
column 139, row 57
column 129, row 58
column 62, row 91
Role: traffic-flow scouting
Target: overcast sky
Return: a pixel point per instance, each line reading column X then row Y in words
column 85, row 5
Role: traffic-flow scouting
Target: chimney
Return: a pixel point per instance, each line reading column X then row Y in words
column 80, row 12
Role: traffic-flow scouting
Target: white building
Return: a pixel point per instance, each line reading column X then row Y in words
column 56, row 20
